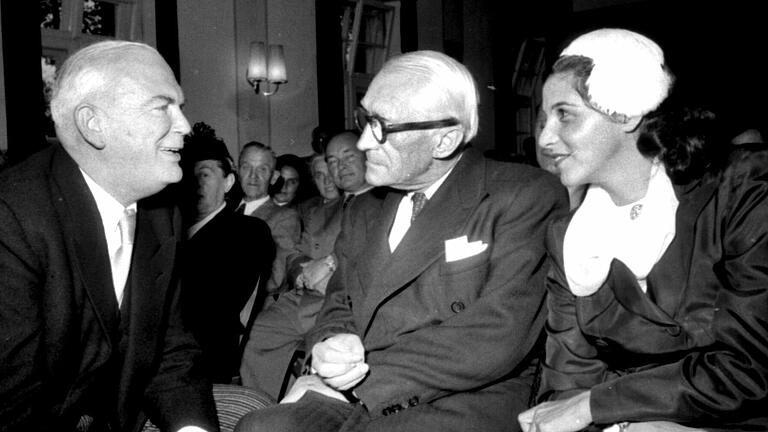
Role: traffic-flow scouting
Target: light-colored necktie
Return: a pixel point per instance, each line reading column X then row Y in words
column 121, row 260
column 419, row 199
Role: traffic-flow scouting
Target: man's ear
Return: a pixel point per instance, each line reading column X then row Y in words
column 90, row 124
column 229, row 182
column 449, row 142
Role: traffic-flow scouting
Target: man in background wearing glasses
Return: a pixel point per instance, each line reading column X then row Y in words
column 431, row 319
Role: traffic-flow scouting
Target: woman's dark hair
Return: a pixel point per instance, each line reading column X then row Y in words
column 688, row 140
column 305, row 189
column 580, row 67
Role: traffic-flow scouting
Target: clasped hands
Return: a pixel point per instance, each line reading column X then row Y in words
column 338, row 364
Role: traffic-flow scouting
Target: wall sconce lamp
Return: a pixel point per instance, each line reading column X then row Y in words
column 266, row 66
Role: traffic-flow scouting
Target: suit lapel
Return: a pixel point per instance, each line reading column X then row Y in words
column 82, row 224
column 375, row 247
column 265, row 211
column 444, row 217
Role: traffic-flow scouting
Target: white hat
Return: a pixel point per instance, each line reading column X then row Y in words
column 628, row 76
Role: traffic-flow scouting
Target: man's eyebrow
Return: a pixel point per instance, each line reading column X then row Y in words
column 563, row 104
column 162, row 98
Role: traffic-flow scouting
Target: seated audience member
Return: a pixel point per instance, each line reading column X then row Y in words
column 256, row 167
column 658, row 291
column 219, row 275
column 327, row 190
column 431, row 318
column 292, row 184
column 279, row 330
column 91, row 335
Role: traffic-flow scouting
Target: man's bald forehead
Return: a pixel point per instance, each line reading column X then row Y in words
column 347, row 139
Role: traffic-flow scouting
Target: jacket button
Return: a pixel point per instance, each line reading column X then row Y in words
column 673, row 331
column 457, row 306
column 412, row 402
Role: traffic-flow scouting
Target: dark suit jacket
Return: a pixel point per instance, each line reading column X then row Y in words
column 694, row 348
column 64, row 350
column 456, row 336
column 223, row 261
column 286, row 230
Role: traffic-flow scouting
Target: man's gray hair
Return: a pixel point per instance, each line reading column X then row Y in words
column 85, row 72
column 261, row 147
column 447, row 78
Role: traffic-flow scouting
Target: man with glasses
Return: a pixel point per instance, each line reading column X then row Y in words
column 431, row 319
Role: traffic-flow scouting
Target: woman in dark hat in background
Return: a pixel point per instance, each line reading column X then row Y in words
column 224, row 256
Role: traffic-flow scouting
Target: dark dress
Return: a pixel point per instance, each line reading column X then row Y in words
column 222, row 264
column 692, row 350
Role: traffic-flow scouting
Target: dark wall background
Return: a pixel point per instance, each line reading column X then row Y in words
column 715, row 49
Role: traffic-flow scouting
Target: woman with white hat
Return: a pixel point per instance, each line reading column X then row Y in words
column 658, row 290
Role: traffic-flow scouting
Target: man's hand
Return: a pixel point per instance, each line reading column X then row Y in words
column 568, row 415
column 310, row 382
column 340, row 361
column 316, row 273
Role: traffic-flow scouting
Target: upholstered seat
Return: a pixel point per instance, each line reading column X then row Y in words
column 232, row 403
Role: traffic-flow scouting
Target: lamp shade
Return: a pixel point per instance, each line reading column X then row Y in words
column 257, row 64
column 276, row 71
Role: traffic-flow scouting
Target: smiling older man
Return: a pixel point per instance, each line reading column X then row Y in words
column 91, row 337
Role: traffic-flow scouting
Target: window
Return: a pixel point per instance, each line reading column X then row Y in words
column 367, row 27
column 66, row 25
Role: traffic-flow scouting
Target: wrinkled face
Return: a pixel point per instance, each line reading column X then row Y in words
column 406, row 156
column 212, row 185
column 581, row 144
column 323, row 181
column 255, row 172
column 143, row 126
column 290, row 185
column 346, row 163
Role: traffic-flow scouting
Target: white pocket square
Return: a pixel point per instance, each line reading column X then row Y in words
column 459, row 248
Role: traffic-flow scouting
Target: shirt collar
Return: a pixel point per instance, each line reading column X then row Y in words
column 251, row 206
column 430, row 191
column 199, row 224
column 110, row 209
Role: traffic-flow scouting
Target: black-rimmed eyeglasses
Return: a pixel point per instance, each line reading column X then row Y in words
column 380, row 129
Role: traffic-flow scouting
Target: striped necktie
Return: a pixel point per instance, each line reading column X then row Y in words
column 419, row 199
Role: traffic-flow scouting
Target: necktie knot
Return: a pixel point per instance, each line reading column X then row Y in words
column 127, row 226
column 419, row 199
column 240, row 209
column 347, row 200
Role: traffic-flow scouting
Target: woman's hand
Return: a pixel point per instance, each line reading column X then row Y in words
column 568, row 415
